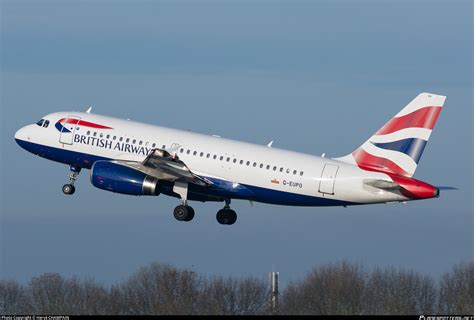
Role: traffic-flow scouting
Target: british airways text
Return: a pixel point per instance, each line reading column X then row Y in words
column 112, row 145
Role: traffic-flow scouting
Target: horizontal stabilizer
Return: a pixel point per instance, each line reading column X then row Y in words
column 382, row 184
column 447, row 188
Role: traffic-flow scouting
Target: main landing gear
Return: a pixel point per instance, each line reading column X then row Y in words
column 226, row 215
column 183, row 212
column 69, row 188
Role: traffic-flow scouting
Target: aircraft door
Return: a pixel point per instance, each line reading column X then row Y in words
column 68, row 128
column 328, row 178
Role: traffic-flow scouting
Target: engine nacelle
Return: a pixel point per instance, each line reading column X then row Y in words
column 118, row 178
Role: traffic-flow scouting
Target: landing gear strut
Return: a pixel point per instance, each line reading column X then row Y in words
column 226, row 215
column 69, row 188
column 183, row 212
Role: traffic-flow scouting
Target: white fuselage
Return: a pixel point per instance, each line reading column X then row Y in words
column 238, row 163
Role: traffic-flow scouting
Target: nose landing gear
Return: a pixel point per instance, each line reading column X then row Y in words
column 69, row 188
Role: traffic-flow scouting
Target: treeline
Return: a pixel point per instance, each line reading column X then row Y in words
column 341, row 288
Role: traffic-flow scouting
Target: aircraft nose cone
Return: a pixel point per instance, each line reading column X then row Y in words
column 20, row 134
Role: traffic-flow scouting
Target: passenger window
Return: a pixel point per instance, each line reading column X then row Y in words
column 95, row 134
column 228, row 159
column 248, row 163
column 221, row 158
column 140, row 143
column 288, row 170
column 40, row 123
column 134, row 141
column 254, row 164
column 46, row 124
column 108, row 136
column 164, row 146
column 261, row 165
column 235, row 160
column 114, row 138
column 201, row 154
column 208, row 155
column 241, row 161
column 281, row 169
column 88, row 133
column 294, row 171
column 181, row 150
column 274, row 168
column 128, row 140
column 194, row 153
column 153, row 145
column 268, row 166
column 214, row 157
column 101, row 135
column 188, row 152
column 301, row 173
column 121, row 139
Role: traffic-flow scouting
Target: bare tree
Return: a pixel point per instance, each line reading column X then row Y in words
column 86, row 297
column 341, row 288
column 329, row 289
column 253, row 296
column 52, row 294
column 456, row 290
column 392, row 291
column 160, row 289
column 13, row 298
column 48, row 294
column 230, row 296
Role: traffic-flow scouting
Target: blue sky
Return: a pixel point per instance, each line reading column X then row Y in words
column 315, row 76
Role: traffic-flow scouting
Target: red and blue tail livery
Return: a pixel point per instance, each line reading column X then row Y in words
column 147, row 160
column 398, row 146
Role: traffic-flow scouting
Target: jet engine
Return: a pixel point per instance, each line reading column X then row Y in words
column 115, row 177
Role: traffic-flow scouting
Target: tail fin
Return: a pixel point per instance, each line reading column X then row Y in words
column 397, row 146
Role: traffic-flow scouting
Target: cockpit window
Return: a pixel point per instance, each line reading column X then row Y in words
column 40, row 123
column 46, row 124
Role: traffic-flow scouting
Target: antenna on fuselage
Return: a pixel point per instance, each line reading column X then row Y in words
column 270, row 144
column 89, row 110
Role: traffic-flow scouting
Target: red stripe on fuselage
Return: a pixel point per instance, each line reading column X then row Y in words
column 369, row 162
column 84, row 123
column 422, row 118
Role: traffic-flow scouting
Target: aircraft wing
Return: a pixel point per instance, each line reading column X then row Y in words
column 165, row 166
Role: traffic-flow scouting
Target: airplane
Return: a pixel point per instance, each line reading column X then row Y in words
column 134, row 158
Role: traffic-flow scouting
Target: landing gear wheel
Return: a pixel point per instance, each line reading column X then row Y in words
column 183, row 213
column 232, row 217
column 226, row 216
column 190, row 214
column 220, row 217
column 69, row 189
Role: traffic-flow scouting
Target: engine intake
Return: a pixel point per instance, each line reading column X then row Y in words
column 118, row 178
